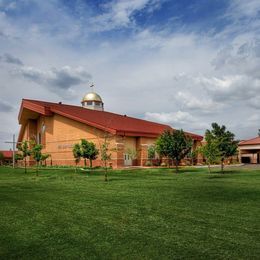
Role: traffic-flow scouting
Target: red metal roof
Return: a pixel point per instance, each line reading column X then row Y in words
column 7, row 154
column 107, row 121
column 253, row 141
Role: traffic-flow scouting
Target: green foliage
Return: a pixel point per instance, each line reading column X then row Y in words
column 174, row 145
column 105, row 156
column 151, row 152
column 77, row 153
column 148, row 163
column 37, row 152
column 132, row 153
column 18, row 157
column 88, row 151
column 192, row 155
column 210, row 151
column 45, row 156
column 37, row 155
column 224, row 140
column 25, row 151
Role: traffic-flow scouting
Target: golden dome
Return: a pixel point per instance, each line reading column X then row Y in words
column 92, row 96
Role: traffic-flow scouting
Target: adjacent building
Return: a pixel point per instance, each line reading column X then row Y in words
column 59, row 126
column 249, row 150
column 7, row 157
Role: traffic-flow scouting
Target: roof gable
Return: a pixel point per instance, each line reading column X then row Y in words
column 253, row 141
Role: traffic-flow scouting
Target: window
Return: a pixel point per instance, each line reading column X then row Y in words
column 43, row 128
column 39, row 138
column 89, row 103
column 97, row 104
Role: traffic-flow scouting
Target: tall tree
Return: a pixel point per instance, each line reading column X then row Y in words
column 77, row 154
column 88, row 151
column 225, row 141
column 174, row 145
column 25, row 151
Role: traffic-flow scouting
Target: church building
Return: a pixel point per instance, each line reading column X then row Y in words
column 59, row 126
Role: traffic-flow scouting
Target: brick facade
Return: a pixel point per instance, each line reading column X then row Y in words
column 128, row 138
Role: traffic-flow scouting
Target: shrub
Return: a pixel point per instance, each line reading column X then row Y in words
column 163, row 164
column 148, row 163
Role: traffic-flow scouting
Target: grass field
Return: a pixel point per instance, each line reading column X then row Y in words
column 140, row 214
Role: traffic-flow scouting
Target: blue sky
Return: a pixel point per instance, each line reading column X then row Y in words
column 181, row 62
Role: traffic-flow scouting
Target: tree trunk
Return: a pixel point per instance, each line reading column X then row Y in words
column 209, row 168
column 85, row 163
column 222, row 165
column 37, row 168
column 176, row 166
column 90, row 163
column 25, row 169
column 106, row 179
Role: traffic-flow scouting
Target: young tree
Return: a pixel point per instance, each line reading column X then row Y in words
column 192, row 155
column 225, row 141
column 210, row 152
column 163, row 144
column 88, row 151
column 45, row 157
column 77, row 154
column 25, row 151
column 151, row 153
column 174, row 145
column 18, row 157
column 105, row 157
column 37, row 155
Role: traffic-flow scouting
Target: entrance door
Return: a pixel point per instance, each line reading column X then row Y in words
column 127, row 159
column 258, row 158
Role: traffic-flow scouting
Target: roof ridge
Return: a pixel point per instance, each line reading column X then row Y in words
column 91, row 111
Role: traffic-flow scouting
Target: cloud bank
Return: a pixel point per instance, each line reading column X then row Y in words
column 159, row 60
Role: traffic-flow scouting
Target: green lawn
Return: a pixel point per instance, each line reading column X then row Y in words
column 140, row 214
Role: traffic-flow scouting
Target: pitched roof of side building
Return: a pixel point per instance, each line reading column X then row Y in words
column 107, row 121
column 253, row 141
column 7, row 153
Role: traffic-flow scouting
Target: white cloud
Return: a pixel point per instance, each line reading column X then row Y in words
column 170, row 118
column 186, row 79
column 202, row 103
column 119, row 14
column 240, row 9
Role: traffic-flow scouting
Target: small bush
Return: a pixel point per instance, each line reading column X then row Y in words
column 163, row 164
column 148, row 163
